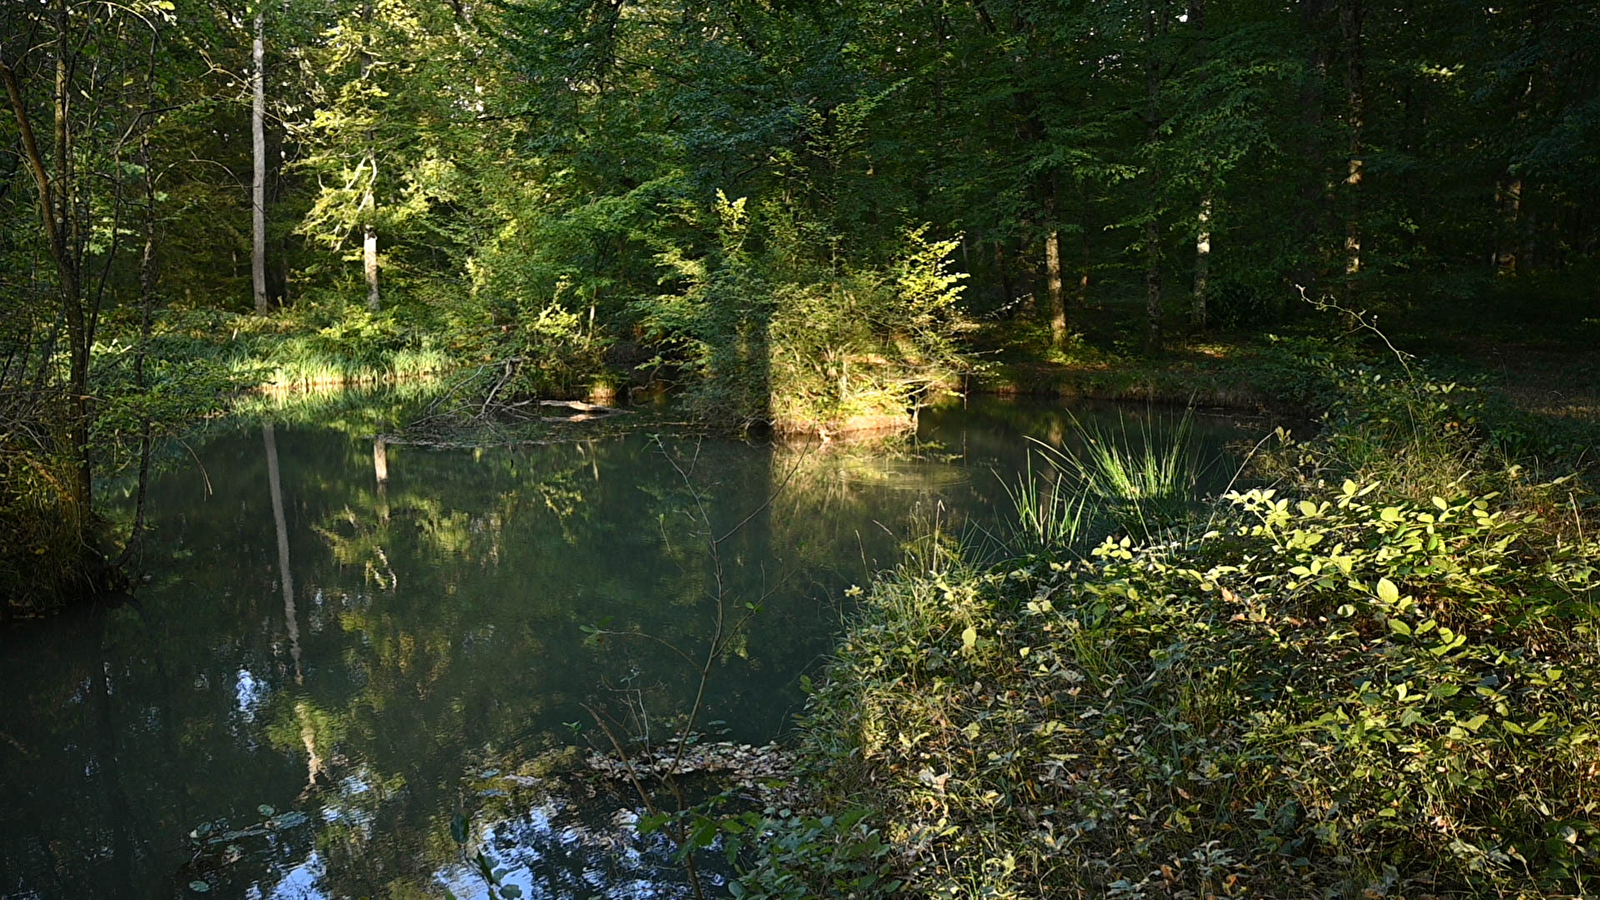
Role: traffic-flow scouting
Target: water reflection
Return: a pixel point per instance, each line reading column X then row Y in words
column 334, row 640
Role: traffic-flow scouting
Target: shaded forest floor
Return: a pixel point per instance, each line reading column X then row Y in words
column 1536, row 377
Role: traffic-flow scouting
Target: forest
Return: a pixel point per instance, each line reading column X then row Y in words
column 810, row 220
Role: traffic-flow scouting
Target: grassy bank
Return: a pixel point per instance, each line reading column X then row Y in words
column 1373, row 677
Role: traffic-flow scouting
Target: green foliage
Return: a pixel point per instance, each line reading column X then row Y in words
column 804, row 856
column 1344, row 688
column 780, row 325
column 42, row 557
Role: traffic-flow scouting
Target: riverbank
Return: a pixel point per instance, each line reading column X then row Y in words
column 1373, row 677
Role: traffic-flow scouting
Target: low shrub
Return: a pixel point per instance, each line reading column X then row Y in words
column 1341, row 687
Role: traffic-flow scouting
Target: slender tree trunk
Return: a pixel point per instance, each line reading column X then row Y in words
column 1155, row 23
column 369, row 241
column 1002, row 266
column 147, row 308
column 1351, row 16
column 67, row 263
column 1202, row 237
column 1530, row 230
column 1509, row 196
column 1311, row 214
column 258, row 145
column 1202, row 264
column 1081, row 298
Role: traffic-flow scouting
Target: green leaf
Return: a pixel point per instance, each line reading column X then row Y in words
column 1387, row 592
column 1440, row 502
column 1399, row 627
column 969, row 638
column 199, row 887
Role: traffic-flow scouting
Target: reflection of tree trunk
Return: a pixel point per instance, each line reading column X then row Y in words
column 308, row 737
column 380, row 471
column 380, row 460
column 109, row 769
column 271, row 439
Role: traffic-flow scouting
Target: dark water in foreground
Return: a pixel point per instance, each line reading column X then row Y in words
column 333, row 687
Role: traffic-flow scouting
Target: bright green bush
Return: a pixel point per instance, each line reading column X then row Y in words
column 781, row 325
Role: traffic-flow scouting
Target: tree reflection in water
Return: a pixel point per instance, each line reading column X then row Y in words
column 353, row 656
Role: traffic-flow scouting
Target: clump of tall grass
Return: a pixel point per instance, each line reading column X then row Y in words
column 1047, row 514
column 1144, row 479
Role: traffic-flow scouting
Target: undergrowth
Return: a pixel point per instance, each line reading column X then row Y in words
column 1374, row 677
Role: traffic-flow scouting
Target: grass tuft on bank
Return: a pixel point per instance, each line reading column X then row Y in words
column 1374, row 676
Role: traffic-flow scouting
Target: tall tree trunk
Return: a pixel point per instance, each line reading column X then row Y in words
column 1155, row 25
column 1002, row 267
column 147, row 294
column 258, row 147
column 1202, row 264
column 1351, row 16
column 1202, row 237
column 1081, row 298
column 68, row 264
column 369, row 240
column 1056, row 287
column 1311, row 213
column 1509, row 197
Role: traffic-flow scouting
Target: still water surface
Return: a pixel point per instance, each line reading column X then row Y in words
column 334, row 672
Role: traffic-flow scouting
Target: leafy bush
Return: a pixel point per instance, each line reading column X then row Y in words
column 1345, row 688
column 780, row 325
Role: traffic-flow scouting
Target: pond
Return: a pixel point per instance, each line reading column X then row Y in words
column 320, row 675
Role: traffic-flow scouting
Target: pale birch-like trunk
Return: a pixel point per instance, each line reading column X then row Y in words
column 258, row 150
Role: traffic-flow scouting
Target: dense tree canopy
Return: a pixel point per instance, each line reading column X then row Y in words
column 796, row 209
